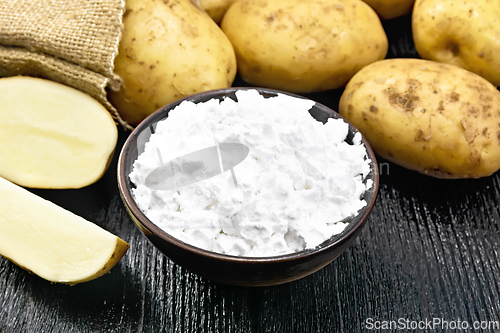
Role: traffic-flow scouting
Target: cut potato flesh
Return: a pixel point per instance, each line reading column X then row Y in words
column 51, row 135
column 52, row 242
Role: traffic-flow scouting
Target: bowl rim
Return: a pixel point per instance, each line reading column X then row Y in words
column 221, row 93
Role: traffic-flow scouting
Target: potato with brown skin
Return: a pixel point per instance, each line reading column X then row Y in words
column 461, row 33
column 434, row 118
column 303, row 45
column 169, row 49
column 389, row 9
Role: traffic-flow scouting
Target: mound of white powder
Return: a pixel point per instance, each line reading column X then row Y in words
column 295, row 188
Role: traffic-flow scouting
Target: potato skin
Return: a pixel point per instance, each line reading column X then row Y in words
column 462, row 33
column 216, row 8
column 303, row 45
column 434, row 118
column 389, row 9
column 169, row 49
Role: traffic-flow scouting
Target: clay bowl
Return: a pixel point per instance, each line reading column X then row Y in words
column 234, row 270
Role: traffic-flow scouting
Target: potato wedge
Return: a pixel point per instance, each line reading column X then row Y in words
column 52, row 242
column 51, row 135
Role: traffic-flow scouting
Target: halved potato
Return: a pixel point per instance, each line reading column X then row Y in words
column 51, row 135
column 52, row 242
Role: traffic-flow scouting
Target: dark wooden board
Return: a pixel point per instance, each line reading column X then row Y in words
column 430, row 251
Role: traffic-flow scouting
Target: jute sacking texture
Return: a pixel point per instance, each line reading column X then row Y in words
column 73, row 42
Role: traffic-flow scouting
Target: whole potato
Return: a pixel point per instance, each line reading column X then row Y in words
column 435, row 118
column 389, row 9
column 216, row 8
column 462, row 33
column 169, row 49
column 303, row 45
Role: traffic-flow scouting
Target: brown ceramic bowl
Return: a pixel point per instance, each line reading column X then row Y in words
column 245, row 271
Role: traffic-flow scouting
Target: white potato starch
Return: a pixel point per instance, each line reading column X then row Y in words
column 292, row 192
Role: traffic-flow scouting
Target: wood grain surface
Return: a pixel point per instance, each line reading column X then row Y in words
column 430, row 251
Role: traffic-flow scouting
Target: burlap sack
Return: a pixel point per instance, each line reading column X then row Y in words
column 73, row 42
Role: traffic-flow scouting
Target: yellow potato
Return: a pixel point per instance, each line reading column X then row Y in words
column 462, row 33
column 52, row 242
column 303, row 45
column 435, row 118
column 169, row 49
column 389, row 9
column 51, row 135
column 216, row 8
